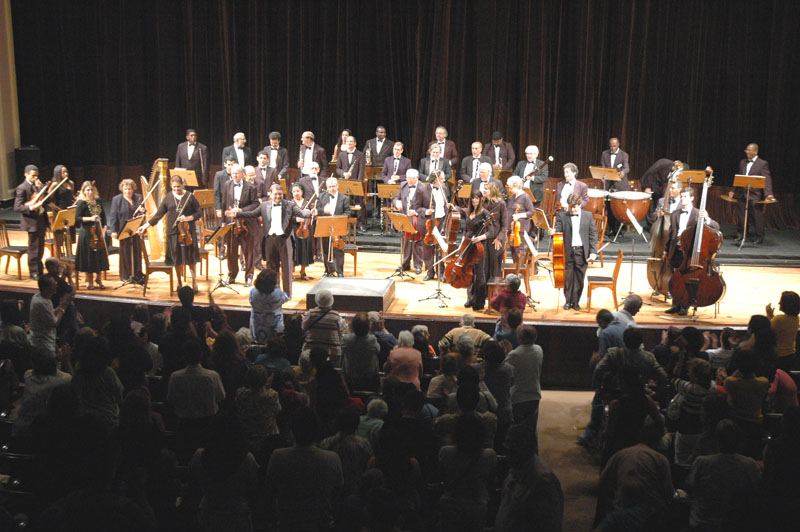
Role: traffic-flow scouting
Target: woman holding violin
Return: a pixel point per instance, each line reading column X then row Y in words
column 92, row 255
column 303, row 234
column 64, row 197
column 182, row 211
column 520, row 209
column 480, row 229
column 125, row 206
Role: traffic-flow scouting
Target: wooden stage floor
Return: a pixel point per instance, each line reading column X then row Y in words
column 750, row 288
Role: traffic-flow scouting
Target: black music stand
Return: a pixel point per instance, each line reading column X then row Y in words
column 438, row 294
column 215, row 238
column 129, row 230
column 402, row 223
column 387, row 192
column 751, row 182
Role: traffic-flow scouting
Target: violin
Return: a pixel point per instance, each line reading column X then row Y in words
column 453, row 222
column 429, row 239
column 516, row 226
column 459, row 270
column 184, row 234
column 303, row 230
column 239, row 228
column 96, row 243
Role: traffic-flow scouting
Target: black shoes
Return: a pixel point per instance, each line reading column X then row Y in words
column 249, row 282
column 680, row 310
column 576, row 306
column 428, row 277
column 418, row 270
column 231, row 279
column 567, row 306
column 468, row 303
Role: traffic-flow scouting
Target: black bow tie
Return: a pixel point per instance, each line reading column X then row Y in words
column 574, row 215
column 672, row 200
column 750, row 160
column 413, row 186
column 192, row 145
column 237, row 184
column 274, row 149
column 684, row 211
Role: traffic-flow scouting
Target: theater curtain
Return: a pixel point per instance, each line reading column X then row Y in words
column 113, row 82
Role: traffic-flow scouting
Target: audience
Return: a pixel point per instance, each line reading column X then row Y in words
column 360, row 352
column 228, row 360
column 97, row 385
column 510, row 332
column 785, row 326
column 499, row 378
column 324, row 327
column 257, row 408
column 405, row 362
column 386, row 340
column 371, row 423
column 354, row 451
column 44, row 317
column 466, row 326
column 39, row 385
column 266, row 302
column 444, row 384
column 526, row 392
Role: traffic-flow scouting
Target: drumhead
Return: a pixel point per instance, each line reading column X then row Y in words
column 630, row 195
column 597, row 193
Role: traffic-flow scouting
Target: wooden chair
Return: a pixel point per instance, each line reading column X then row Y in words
column 155, row 267
column 525, row 262
column 600, row 221
column 350, row 245
column 63, row 251
column 7, row 250
column 598, row 281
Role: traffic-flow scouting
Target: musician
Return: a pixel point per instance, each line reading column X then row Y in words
column 238, row 150
column 278, row 155
column 222, row 177
column 447, row 148
column 264, row 174
column 193, row 155
column 500, row 152
column 125, row 206
column 753, row 165
column 414, row 199
column 279, row 217
column 331, row 203
column 303, row 249
column 440, row 197
column 672, row 202
column 580, row 247
column 496, row 205
column 312, row 183
column 395, row 167
column 241, row 195
column 533, row 181
column 476, row 216
column 614, row 157
column 381, row 147
column 434, row 161
column 680, row 220
column 309, row 152
column 90, row 217
column 179, row 207
column 518, row 196
column 571, row 185
column 34, row 219
column 471, row 163
column 485, row 176
column 341, row 144
column 655, row 179
column 350, row 166
column 251, row 177
column 64, row 197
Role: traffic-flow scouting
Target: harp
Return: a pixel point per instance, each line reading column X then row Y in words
column 159, row 177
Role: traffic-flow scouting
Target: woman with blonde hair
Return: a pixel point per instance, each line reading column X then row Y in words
column 123, row 207
column 91, row 258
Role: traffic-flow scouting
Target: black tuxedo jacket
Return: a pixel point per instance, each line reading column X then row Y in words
column 30, row 221
column 449, row 152
column 289, row 214
column 475, row 184
column 537, row 181
column 281, row 161
column 379, row 156
column 674, row 220
column 466, row 167
column 248, row 197
column 578, row 187
column 621, row 159
column 230, row 151
column 308, row 187
column 119, row 209
column 342, row 165
column 588, row 231
column 220, row 179
column 402, row 167
column 319, row 156
column 198, row 162
column 342, row 204
column 760, row 167
column 425, row 168
column 507, row 154
column 655, row 177
column 420, row 203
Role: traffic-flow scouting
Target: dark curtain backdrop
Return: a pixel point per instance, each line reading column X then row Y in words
column 116, row 83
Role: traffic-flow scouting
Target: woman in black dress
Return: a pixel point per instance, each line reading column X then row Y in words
column 91, row 218
column 123, row 207
column 64, row 197
column 174, row 202
column 496, row 205
column 476, row 216
column 303, row 250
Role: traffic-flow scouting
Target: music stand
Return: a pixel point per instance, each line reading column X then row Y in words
column 465, row 192
column 438, row 294
column 215, row 238
column 204, row 197
column 127, row 231
column 373, row 176
column 638, row 228
column 502, row 175
column 402, row 222
column 387, row 192
column 354, row 188
column 188, row 176
column 604, row 174
column 689, row 177
column 331, row 227
column 749, row 181
column 64, row 218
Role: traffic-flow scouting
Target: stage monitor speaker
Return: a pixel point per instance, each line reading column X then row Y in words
column 23, row 157
column 354, row 295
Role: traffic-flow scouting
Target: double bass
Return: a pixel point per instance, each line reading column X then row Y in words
column 697, row 282
column 459, row 269
column 659, row 270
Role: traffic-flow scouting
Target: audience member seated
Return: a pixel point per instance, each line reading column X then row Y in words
column 405, row 362
column 444, row 384
column 714, row 480
column 274, row 359
column 354, row 451
column 266, row 302
column 499, row 378
column 227, row 475
column 694, row 341
column 303, row 479
column 466, row 326
column 12, row 325
column 386, row 340
column 421, row 343
column 257, row 408
column 689, row 401
column 371, row 423
column 471, row 376
column 39, row 385
column 510, row 297
column 508, row 328
column 532, row 493
column 228, row 360
column 98, row 387
column 526, row 392
column 785, row 326
column 782, row 392
column 324, row 327
column 466, row 468
column 133, row 362
column 445, row 426
column 360, row 350
column 746, row 393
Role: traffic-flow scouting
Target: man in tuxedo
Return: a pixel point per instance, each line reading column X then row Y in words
column 279, row 217
column 440, row 198
column 193, row 155
column 434, row 161
column 396, row 166
column 680, row 220
column 614, row 157
column 470, row 163
column 580, row 247
column 309, row 152
column 414, row 199
column 534, row 182
column 277, row 154
column 222, row 177
column 654, row 179
column 672, row 202
column 380, row 146
column 332, row 203
column 350, row 166
column 752, row 165
column 447, row 148
column 485, row 176
column 34, row 220
column 571, row 185
column 240, row 153
column 239, row 195
column 251, row 176
column 500, row 152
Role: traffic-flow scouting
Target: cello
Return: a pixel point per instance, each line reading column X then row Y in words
column 459, row 270
column 697, row 282
column 659, row 270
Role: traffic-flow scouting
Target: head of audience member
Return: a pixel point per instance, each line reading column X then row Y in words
column 514, row 318
column 244, row 336
column 305, row 427
column 789, row 303
column 54, row 266
column 360, row 324
column 324, row 299
column 715, row 408
column 651, row 433
column 377, row 408
column 467, row 320
column 413, row 401
column 700, row 372
column 728, row 436
column 726, row 338
column 632, row 338
column 693, row 338
column 632, row 304
column 465, row 346
column 469, row 433
column 141, row 314
column 226, row 447
column 43, row 363
column 603, row 319
column 747, row 362
column 192, row 351
column 119, row 330
column 520, row 445
column 347, row 421
column 186, row 296
column 467, row 397
column 468, row 375
column 136, row 410
column 513, row 282
column 226, row 350
column 376, row 323
column 448, row 366
column 285, row 380
column 256, row 378
column 10, row 314
column 266, row 281
column 47, row 286
column 180, row 319
column 95, row 356
column 493, row 353
column 527, row 335
column 405, row 339
column 419, row 328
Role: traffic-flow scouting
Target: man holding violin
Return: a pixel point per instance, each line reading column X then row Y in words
column 279, row 217
column 438, row 208
column 34, row 219
column 239, row 195
column 414, row 199
column 332, row 203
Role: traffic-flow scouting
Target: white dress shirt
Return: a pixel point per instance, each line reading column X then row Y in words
column 497, row 154
column 683, row 220
column 565, row 192
column 239, row 155
column 750, row 164
column 613, row 158
column 276, row 224
column 576, row 230
column 308, row 158
column 273, row 157
column 190, row 150
column 439, row 203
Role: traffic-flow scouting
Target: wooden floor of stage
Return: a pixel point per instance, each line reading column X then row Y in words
column 750, row 288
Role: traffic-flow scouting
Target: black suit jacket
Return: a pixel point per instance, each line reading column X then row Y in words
column 308, row 187
column 319, row 156
column 475, row 184
column 402, row 167
column 674, row 220
column 230, row 151
column 289, row 214
column 449, row 152
column 30, row 221
column 358, row 165
column 588, row 232
column 342, row 204
column 248, row 199
column 119, row 212
column 198, row 162
column 420, row 203
column 425, row 168
column 507, row 154
column 466, row 167
column 760, row 167
column 656, row 176
column 379, row 157
column 621, row 159
column 281, row 161
column 220, row 179
column 537, row 181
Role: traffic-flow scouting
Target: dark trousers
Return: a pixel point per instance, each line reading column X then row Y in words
column 247, row 245
column 36, row 250
column 337, row 266
column 527, row 414
column 478, row 290
column 415, row 250
column 574, row 272
column 130, row 257
column 278, row 253
column 755, row 219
